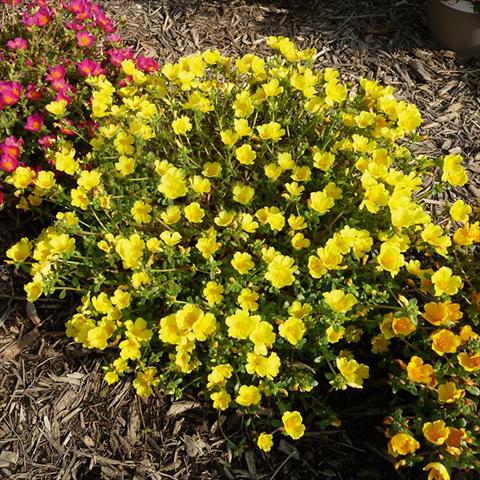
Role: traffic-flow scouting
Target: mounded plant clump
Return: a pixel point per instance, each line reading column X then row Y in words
column 254, row 229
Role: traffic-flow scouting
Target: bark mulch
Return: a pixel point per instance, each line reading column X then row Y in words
column 57, row 418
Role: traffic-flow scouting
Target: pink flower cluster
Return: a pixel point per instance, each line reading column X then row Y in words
column 90, row 47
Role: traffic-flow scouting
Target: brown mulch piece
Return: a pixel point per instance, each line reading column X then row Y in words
column 58, row 420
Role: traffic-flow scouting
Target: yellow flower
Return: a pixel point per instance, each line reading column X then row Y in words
column 262, row 337
column 121, row 298
column 248, row 299
column 20, row 251
column 265, row 441
column 224, row 218
column 138, row 330
column 281, row 271
column 241, row 127
column 437, row 471
column 323, row 160
column 221, row 400
column 45, row 180
column 263, row 366
column 200, row 184
column 460, row 211
column 130, row 349
column 213, row 292
column 334, row 335
column 229, row 137
column 353, row 372
column 141, row 212
column 243, row 194
column 125, row 165
column 171, row 215
column 139, row 279
column 292, row 330
column 194, row 213
column 33, row 290
column 242, row 262
column 453, row 172
column 271, row 131
column 403, row 325
column 321, row 202
column 335, row 92
column 181, row 125
column 145, row 380
column 390, row 258
column 409, row 118
column 445, row 341
column 248, row 395
column 436, row 432
column 173, row 184
column 293, row 424
column 402, row 444
column 449, row 393
column 445, row 282
column 241, row 324
column 62, row 243
column 130, row 251
column 88, row 180
column 212, row 169
column 419, row 372
column 339, row 301
column 471, row 363
column 111, row 377
column 245, row 154
column 56, row 108
column 208, row 245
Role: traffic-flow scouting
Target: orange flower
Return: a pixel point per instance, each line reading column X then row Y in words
column 402, row 444
column 436, row 432
column 445, row 341
column 437, row 471
column 403, row 326
column 454, row 441
column 419, row 372
column 449, row 393
column 471, row 363
column 442, row 313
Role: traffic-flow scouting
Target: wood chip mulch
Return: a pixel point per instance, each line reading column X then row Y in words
column 57, row 418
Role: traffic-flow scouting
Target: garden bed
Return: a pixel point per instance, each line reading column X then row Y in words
column 58, row 421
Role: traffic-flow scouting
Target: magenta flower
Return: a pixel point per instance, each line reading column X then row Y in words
column 2, row 197
column 85, row 39
column 10, row 152
column 89, row 67
column 10, row 93
column 39, row 19
column 56, row 72
column 33, row 93
column 147, row 64
column 75, row 26
column 17, row 44
column 11, row 2
column 46, row 141
column 102, row 20
column 117, row 56
column 59, row 84
column 34, row 123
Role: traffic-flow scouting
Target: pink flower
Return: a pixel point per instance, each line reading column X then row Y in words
column 10, row 93
column 114, row 38
column 85, row 39
column 75, row 26
column 17, row 44
column 2, row 197
column 10, row 152
column 59, row 84
column 11, row 2
column 89, row 67
column 63, row 95
column 76, row 6
column 56, row 72
column 33, row 93
column 102, row 20
column 8, row 164
column 46, row 141
column 117, row 56
column 147, row 64
column 39, row 19
column 34, row 123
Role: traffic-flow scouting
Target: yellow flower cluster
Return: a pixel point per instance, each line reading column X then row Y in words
column 250, row 226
